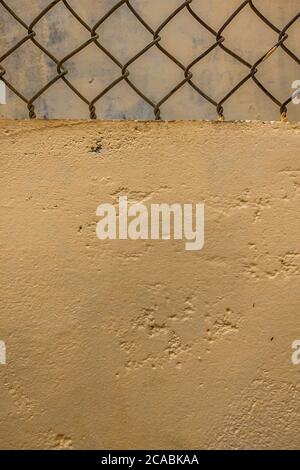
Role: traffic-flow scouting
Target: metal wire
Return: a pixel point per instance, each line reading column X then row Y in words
column 187, row 70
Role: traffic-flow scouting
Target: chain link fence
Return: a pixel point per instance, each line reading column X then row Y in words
column 150, row 60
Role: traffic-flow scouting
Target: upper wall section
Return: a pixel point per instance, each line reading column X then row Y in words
column 137, row 59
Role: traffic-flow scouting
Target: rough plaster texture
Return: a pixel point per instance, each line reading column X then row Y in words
column 140, row 344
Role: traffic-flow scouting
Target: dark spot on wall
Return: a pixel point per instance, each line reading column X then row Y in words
column 96, row 148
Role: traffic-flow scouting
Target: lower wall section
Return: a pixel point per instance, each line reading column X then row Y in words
column 141, row 344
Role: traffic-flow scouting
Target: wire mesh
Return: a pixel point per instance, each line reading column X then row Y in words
column 219, row 40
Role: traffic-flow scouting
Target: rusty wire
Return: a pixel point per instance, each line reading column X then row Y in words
column 94, row 31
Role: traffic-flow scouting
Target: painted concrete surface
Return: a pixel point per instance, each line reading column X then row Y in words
column 141, row 344
column 90, row 71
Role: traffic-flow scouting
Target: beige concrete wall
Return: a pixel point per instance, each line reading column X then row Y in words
column 141, row 344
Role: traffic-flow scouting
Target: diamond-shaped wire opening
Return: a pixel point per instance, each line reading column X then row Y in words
column 185, row 43
column 274, row 76
column 31, row 80
column 123, row 35
column 91, row 71
column 153, row 86
column 217, row 73
column 53, row 31
column 241, row 41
